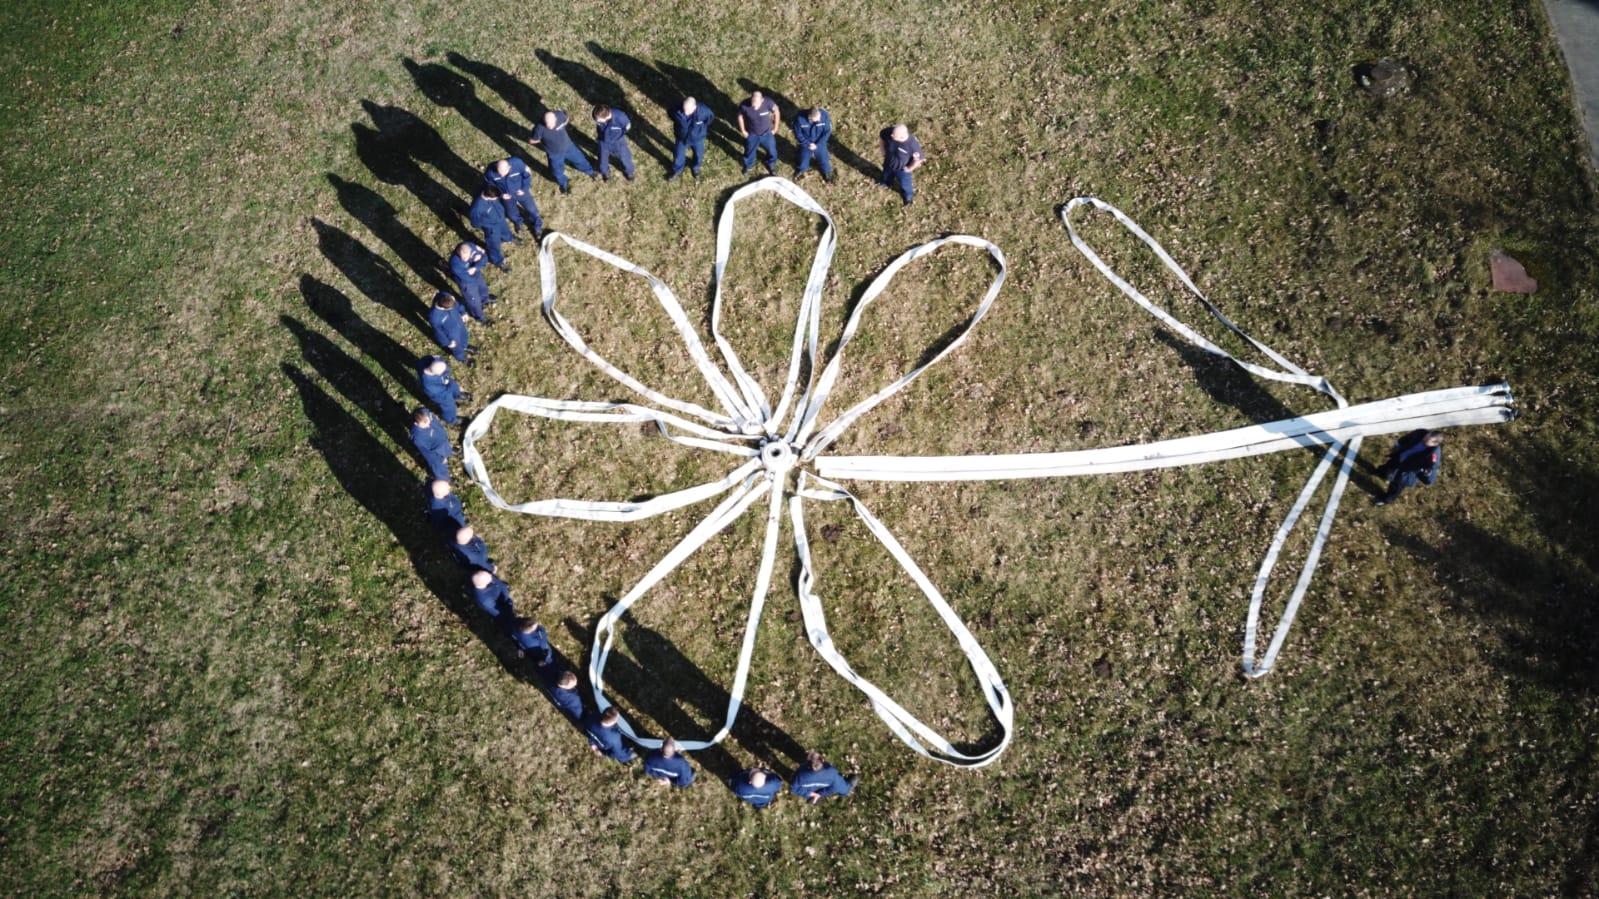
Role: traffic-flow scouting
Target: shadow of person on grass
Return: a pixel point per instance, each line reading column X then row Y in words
column 659, row 683
column 369, row 207
column 396, row 151
column 334, row 308
column 595, row 88
column 1537, row 588
column 452, row 90
column 391, row 490
column 371, row 274
column 522, row 99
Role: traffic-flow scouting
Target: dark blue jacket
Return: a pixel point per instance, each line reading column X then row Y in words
column 809, row 132
column 694, row 127
column 613, row 132
column 517, row 179
column 475, row 554
column 449, row 326
column 761, row 796
column 826, row 782
column 495, row 599
column 608, row 740
column 489, row 215
column 535, row 643
column 437, row 388
column 554, row 141
column 898, row 155
column 567, row 701
column 432, row 441
column 675, row 769
column 1412, row 456
column 470, row 270
column 446, row 514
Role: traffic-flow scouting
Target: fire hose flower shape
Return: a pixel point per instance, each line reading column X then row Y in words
column 779, row 453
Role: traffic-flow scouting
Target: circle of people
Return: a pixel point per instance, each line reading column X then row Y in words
column 501, row 210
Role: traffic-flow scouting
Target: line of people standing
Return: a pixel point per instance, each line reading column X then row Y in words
column 502, row 209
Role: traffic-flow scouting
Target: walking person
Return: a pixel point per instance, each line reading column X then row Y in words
column 1415, row 459
column 432, row 442
column 438, row 386
column 449, row 326
column 488, row 215
column 466, row 265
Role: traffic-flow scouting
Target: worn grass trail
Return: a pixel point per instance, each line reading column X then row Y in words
column 239, row 661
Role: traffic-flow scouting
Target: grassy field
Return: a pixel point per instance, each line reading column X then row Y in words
column 239, row 662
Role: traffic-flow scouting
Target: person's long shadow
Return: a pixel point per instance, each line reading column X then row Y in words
column 380, row 217
column 334, row 308
column 394, row 153
column 1537, row 588
column 677, row 696
column 452, row 90
column 389, row 489
column 596, row 88
column 787, row 150
column 524, row 100
column 371, row 274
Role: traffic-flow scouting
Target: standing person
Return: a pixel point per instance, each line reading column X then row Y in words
column 689, row 127
column 488, row 214
column 818, row 780
column 449, row 326
column 438, row 386
column 467, row 267
column 611, row 127
column 510, row 176
column 432, row 441
column 531, row 640
column 667, row 765
column 605, row 738
column 471, row 552
column 557, row 143
column 758, row 124
column 902, row 154
column 1415, row 459
column 757, row 786
column 813, row 128
column 562, row 687
column 492, row 595
column 444, row 507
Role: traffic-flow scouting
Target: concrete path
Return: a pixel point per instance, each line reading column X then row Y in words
column 1576, row 25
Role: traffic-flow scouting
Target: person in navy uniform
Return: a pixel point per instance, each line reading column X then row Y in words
column 668, row 766
column 689, row 127
column 438, row 386
column 471, row 552
column 758, row 124
column 432, row 441
column 813, row 128
column 819, row 780
column 551, row 135
column 605, row 738
column 531, row 641
column 467, row 267
column 1415, row 459
column 492, row 595
column 444, row 507
column 511, row 177
column 611, row 127
column 449, row 326
column 902, row 154
column 562, row 687
column 488, row 215
column 757, row 786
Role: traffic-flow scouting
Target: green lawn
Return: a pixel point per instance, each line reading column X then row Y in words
column 239, row 661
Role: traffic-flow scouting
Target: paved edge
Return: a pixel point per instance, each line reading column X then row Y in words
column 1576, row 28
